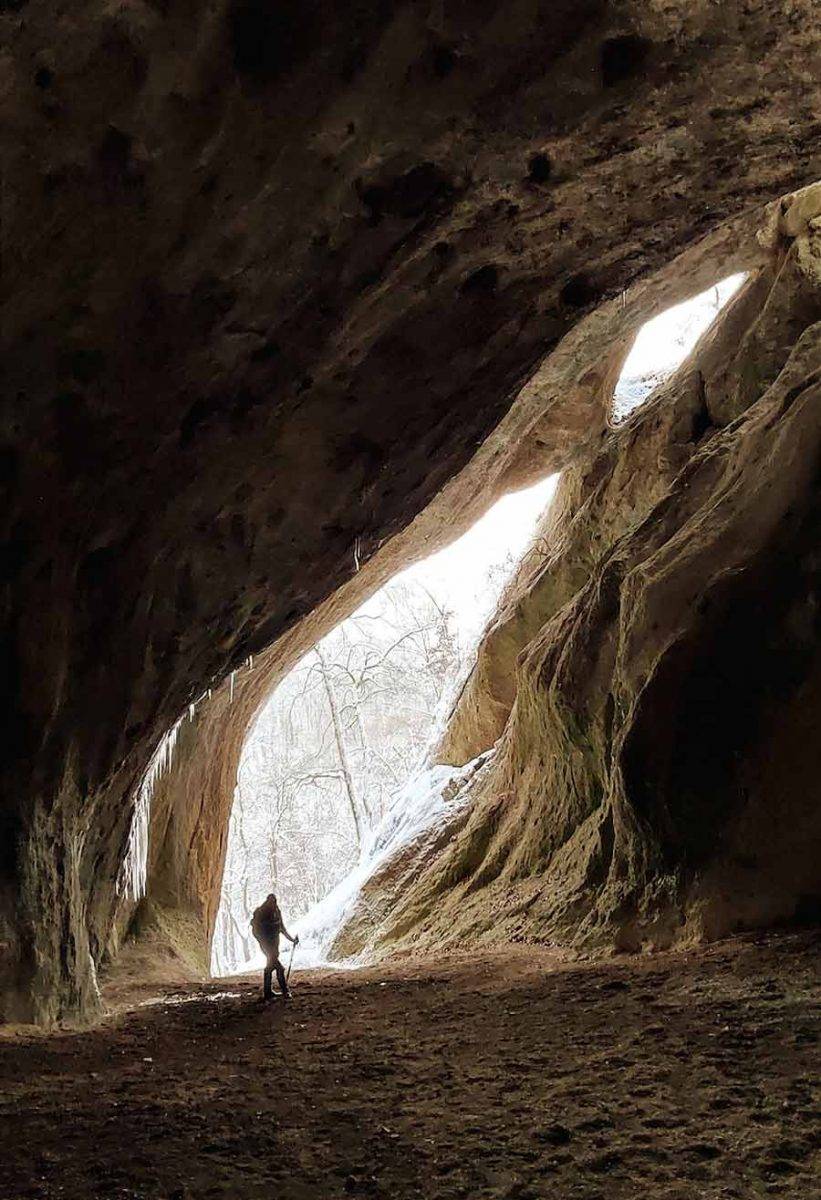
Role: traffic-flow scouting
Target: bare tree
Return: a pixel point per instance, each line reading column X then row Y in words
column 339, row 742
column 339, row 736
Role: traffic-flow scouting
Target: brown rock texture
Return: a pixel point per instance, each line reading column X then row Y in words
column 274, row 277
column 655, row 665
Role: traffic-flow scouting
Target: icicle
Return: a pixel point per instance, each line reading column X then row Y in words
column 356, row 548
column 250, row 662
column 132, row 877
column 231, row 688
column 191, row 711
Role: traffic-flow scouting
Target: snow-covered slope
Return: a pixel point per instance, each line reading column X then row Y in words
column 419, row 808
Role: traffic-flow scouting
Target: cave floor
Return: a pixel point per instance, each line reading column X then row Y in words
column 512, row 1075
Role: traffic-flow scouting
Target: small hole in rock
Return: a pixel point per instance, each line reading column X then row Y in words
column 444, row 60
column 485, row 279
column 623, row 57
column 579, row 291
column 115, row 150
column 539, row 168
column 268, row 38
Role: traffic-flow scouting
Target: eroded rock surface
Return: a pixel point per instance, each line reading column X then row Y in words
column 273, row 275
column 655, row 666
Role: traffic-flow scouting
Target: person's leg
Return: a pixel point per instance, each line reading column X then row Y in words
column 267, row 990
column 281, row 980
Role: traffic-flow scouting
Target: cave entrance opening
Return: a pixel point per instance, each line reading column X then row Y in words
column 337, row 749
column 342, row 733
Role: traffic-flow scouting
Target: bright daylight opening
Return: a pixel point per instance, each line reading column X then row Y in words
column 327, row 758
column 334, row 774
column 665, row 341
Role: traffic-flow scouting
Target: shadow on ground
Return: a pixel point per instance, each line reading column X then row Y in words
column 514, row 1075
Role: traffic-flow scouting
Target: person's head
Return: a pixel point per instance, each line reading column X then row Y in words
column 271, row 899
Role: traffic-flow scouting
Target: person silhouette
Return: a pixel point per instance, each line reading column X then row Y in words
column 266, row 925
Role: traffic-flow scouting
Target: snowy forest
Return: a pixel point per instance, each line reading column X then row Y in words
column 338, row 738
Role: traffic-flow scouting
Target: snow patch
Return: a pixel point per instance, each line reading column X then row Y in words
column 418, row 808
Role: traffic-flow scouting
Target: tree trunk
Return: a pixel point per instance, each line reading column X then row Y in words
column 239, row 937
column 369, row 814
column 340, row 747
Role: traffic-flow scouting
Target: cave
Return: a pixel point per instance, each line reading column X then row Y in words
column 332, row 767
column 292, row 295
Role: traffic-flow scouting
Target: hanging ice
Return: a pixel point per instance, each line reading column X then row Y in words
column 131, row 881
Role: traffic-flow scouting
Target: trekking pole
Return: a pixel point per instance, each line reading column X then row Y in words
column 290, row 961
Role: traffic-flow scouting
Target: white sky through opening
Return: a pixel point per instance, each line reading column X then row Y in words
column 663, row 343
column 457, row 574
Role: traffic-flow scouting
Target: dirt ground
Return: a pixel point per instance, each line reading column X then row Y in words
column 516, row 1075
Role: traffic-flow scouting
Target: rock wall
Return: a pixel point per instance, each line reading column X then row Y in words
column 657, row 671
column 563, row 409
column 272, row 277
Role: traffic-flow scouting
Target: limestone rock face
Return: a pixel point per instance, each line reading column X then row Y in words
column 656, row 666
column 276, row 277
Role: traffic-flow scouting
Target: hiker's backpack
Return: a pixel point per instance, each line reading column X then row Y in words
column 265, row 925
